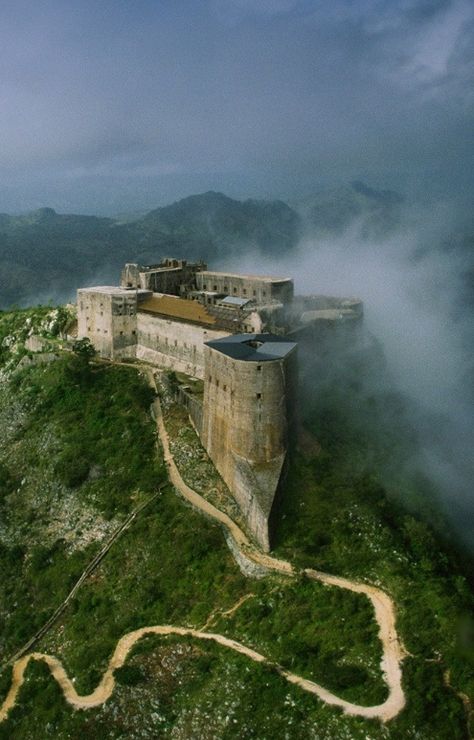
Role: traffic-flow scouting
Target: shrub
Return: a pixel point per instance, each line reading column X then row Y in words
column 72, row 469
column 129, row 675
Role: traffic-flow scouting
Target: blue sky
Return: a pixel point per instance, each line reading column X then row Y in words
column 114, row 105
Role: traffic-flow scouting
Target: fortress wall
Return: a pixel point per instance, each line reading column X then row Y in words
column 245, row 429
column 130, row 276
column 193, row 405
column 170, row 281
column 167, row 277
column 256, row 288
column 173, row 344
column 108, row 317
column 163, row 280
column 94, row 320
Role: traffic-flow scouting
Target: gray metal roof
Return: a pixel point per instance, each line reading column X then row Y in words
column 253, row 347
column 235, row 301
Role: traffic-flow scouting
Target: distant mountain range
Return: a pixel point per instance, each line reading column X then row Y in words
column 46, row 256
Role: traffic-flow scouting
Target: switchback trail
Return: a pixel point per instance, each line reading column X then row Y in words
column 384, row 608
column 392, row 650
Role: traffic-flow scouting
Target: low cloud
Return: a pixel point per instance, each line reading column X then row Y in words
column 414, row 291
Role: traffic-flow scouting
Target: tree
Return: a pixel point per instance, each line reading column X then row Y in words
column 84, row 353
column 83, row 349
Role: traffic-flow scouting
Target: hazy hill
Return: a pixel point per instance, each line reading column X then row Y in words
column 332, row 211
column 45, row 255
column 212, row 220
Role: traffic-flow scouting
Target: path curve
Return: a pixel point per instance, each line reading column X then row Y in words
column 392, row 651
column 392, row 655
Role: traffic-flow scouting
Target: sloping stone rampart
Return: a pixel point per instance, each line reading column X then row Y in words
column 246, row 422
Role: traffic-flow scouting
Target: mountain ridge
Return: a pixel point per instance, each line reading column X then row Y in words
column 45, row 255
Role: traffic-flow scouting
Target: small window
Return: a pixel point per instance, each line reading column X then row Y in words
column 121, row 333
column 204, row 287
column 210, row 379
column 235, row 290
column 225, row 288
column 259, row 395
column 217, row 383
column 259, row 367
column 215, row 288
column 245, row 291
column 264, row 292
column 255, row 292
column 133, row 331
column 225, row 387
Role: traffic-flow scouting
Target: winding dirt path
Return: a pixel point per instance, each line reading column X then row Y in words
column 393, row 652
column 384, row 608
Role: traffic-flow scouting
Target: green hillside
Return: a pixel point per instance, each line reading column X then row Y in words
column 78, row 454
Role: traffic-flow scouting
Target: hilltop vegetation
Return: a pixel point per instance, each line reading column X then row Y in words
column 77, row 452
column 78, row 456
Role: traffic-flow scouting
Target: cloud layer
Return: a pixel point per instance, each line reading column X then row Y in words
column 155, row 99
column 417, row 307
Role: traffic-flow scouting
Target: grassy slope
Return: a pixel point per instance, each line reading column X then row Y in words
column 338, row 516
column 172, row 566
column 88, row 439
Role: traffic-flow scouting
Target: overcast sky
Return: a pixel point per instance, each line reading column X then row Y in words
column 115, row 105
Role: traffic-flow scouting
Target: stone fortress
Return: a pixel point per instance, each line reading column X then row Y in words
column 236, row 333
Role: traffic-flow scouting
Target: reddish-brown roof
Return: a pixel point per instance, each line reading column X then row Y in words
column 177, row 308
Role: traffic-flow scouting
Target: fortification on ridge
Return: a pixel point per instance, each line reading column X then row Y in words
column 239, row 335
